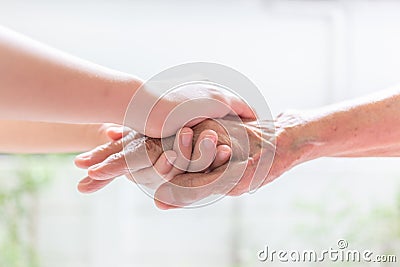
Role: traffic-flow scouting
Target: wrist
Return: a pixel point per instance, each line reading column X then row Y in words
column 297, row 137
column 318, row 135
column 123, row 89
column 94, row 134
column 145, row 111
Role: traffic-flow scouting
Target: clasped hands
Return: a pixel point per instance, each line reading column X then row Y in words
column 213, row 157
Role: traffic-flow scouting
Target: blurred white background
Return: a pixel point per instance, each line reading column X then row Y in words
column 301, row 54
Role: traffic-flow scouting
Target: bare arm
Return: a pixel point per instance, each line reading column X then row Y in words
column 42, row 137
column 39, row 83
column 365, row 127
column 44, row 84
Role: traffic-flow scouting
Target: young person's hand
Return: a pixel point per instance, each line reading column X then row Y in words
column 186, row 106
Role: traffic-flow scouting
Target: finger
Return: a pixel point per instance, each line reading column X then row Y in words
column 188, row 188
column 117, row 132
column 171, row 195
column 100, row 153
column 241, row 108
column 165, row 163
column 183, row 150
column 153, row 176
column 112, row 167
column 222, row 156
column 182, row 190
column 204, row 151
column 89, row 185
column 136, row 155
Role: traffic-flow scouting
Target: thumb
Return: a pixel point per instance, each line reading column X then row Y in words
column 188, row 188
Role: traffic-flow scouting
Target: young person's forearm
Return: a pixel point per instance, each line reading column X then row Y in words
column 366, row 127
column 41, row 83
column 42, row 137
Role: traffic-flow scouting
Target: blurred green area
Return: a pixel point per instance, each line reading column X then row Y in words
column 372, row 227
column 375, row 227
column 20, row 186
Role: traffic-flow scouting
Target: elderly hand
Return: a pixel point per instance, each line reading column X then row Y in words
column 261, row 167
column 178, row 189
column 150, row 164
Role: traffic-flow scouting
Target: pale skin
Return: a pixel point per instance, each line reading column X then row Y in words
column 364, row 127
column 44, row 137
column 52, row 102
column 39, row 83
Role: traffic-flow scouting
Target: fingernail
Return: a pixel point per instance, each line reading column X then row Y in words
column 223, row 154
column 186, row 139
column 213, row 138
column 209, row 143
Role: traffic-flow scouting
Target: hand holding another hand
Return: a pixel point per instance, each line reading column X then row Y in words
column 149, row 164
column 177, row 188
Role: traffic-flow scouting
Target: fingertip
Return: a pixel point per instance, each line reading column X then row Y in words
column 163, row 206
column 89, row 185
column 223, row 152
column 81, row 163
column 164, row 197
column 209, row 133
column 83, row 160
column 249, row 113
column 241, row 108
column 186, row 130
column 115, row 133
column 84, row 185
column 207, row 142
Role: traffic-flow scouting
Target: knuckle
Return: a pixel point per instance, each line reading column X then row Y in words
column 115, row 157
column 113, row 145
column 152, row 145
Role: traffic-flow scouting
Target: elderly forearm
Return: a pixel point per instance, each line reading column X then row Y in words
column 43, row 84
column 41, row 137
column 364, row 127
